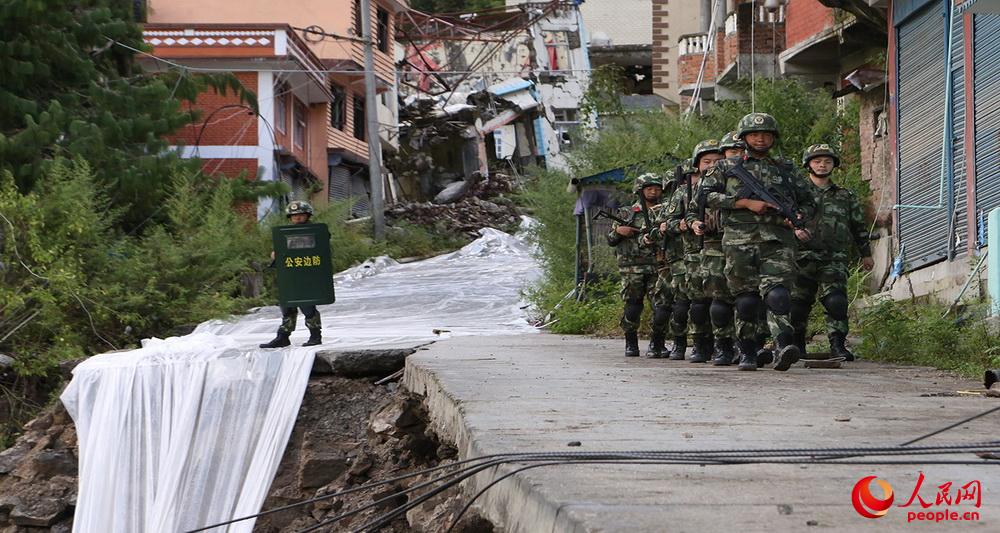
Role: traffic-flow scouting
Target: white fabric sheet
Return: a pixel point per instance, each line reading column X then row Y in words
column 188, row 431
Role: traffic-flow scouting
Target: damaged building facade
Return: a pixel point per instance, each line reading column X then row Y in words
column 494, row 89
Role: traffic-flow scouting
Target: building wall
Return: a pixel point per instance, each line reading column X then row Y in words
column 804, row 19
column 226, row 127
column 671, row 19
column 623, row 21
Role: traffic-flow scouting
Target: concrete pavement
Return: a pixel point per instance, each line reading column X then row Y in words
column 540, row 392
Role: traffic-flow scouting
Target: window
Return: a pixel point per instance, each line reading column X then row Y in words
column 357, row 18
column 299, row 133
column 281, row 107
column 359, row 117
column 338, row 107
column 565, row 123
column 557, row 48
column 382, row 30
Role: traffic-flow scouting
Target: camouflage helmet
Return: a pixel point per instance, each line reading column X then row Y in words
column 757, row 122
column 818, row 150
column 646, row 180
column 298, row 207
column 708, row 146
column 732, row 141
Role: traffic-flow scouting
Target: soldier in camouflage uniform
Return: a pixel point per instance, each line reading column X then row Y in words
column 759, row 244
column 823, row 261
column 681, row 205
column 706, row 223
column 297, row 212
column 671, row 270
column 636, row 263
column 733, row 146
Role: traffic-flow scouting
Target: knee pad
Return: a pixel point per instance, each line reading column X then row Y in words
column 779, row 300
column 747, row 305
column 722, row 313
column 680, row 310
column 633, row 312
column 661, row 315
column 699, row 311
column 836, row 305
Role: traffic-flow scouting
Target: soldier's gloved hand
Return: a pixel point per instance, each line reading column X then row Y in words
column 625, row 231
column 867, row 263
column 698, row 227
column 803, row 235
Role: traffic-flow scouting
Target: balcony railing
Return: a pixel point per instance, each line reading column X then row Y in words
column 695, row 43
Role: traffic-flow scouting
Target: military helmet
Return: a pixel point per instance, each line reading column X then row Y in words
column 646, row 180
column 818, row 150
column 708, row 146
column 732, row 141
column 298, row 207
column 757, row 122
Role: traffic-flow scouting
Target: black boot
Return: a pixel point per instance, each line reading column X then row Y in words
column 748, row 355
column 656, row 349
column 679, row 348
column 702, row 351
column 631, row 344
column 838, row 348
column 787, row 352
column 725, row 355
column 315, row 338
column 279, row 341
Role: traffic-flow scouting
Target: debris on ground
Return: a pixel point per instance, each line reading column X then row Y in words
column 487, row 203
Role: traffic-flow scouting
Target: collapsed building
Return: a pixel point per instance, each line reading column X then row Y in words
column 500, row 88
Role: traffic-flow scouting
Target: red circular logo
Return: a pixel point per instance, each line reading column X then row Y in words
column 865, row 503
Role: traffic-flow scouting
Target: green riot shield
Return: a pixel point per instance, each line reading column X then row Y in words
column 305, row 271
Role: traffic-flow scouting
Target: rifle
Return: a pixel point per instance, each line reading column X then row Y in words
column 614, row 218
column 753, row 188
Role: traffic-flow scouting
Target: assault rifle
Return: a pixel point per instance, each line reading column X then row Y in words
column 614, row 218
column 753, row 189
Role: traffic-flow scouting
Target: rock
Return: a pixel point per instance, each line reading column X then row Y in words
column 41, row 513
column 6, row 362
column 50, row 463
column 11, row 457
column 452, row 193
column 319, row 469
column 362, row 464
column 395, row 419
column 360, row 363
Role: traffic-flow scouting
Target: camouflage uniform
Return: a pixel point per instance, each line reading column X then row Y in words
column 838, row 224
column 672, row 273
column 759, row 249
column 636, row 265
column 289, row 315
column 684, row 208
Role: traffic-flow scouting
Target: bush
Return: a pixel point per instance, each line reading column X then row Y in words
column 907, row 332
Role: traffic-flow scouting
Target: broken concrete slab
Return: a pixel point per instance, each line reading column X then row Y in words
column 360, row 363
column 536, row 393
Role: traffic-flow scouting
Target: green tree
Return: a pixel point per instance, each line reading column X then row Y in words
column 69, row 87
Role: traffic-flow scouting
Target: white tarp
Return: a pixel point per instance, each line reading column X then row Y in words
column 188, row 431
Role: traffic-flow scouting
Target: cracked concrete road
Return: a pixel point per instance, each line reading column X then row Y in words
column 540, row 392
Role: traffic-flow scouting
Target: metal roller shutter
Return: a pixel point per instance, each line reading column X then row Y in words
column 921, row 79
column 986, row 79
column 340, row 183
column 961, row 236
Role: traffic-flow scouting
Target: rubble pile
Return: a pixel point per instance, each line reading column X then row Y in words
column 485, row 204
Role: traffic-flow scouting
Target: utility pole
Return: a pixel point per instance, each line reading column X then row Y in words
column 371, row 126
